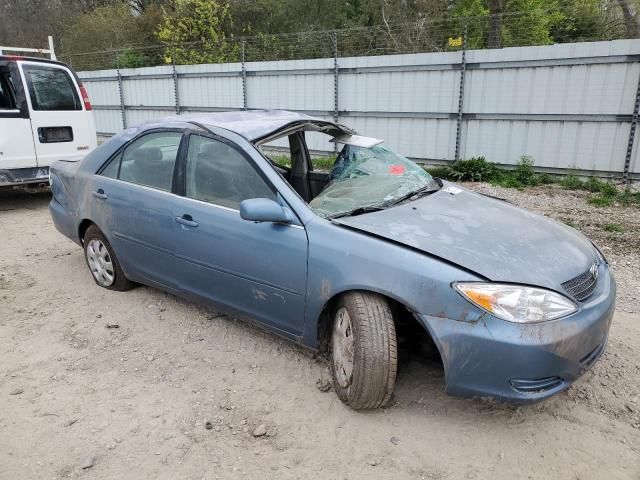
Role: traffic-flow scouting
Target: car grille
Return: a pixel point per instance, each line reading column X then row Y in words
column 582, row 286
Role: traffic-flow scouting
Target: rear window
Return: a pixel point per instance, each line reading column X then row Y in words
column 51, row 88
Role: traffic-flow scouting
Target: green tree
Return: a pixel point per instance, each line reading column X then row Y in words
column 110, row 27
column 195, row 31
column 505, row 23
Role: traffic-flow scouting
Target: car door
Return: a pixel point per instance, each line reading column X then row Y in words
column 62, row 129
column 257, row 270
column 133, row 205
column 16, row 142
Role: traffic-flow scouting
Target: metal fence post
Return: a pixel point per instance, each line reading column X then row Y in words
column 463, row 65
column 176, row 93
column 632, row 134
column 123, row 112
column 244, row 77
column 334, row 36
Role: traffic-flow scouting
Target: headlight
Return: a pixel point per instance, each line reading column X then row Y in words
column 516, row 303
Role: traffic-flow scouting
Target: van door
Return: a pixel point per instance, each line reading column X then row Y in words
column 61, row 126
column 16, row 139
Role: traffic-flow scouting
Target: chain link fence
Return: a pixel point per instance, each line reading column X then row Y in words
column 437, row 35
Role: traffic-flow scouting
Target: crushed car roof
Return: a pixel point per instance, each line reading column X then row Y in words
column 251, row 124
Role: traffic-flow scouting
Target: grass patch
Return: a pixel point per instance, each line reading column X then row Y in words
column 627, row 197
column 599, row 201
column 323, row 163
column 319, row 163
column 604, row 194
column 613, row 227
column 282, row 160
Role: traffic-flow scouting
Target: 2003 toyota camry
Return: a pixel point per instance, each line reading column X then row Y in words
column 517, row 305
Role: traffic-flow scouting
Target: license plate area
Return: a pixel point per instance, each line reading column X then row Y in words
column 55, row 134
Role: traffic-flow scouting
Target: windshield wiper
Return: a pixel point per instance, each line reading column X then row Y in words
column 416, row 193
column 355, row 211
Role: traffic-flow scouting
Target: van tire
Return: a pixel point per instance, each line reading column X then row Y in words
column 363, row 323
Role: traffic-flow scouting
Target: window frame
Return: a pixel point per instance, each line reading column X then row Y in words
column 118, row 154
column 8, row 91
column 182, row 174
column 15, row 84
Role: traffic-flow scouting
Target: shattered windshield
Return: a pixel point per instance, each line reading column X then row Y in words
column 369, row 178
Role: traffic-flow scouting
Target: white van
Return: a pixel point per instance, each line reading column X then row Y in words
column 45, row 115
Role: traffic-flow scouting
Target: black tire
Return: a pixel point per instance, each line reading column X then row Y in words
column 120, row 282
column 375, row 356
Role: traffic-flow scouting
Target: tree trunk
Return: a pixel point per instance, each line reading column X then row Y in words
column 630, row 19
column 494, row 36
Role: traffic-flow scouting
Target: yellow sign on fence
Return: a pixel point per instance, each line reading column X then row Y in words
column 455, row 42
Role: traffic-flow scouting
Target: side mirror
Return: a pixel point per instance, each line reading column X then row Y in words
column 264, row 210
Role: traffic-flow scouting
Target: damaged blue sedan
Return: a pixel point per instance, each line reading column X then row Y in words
column 517, row 305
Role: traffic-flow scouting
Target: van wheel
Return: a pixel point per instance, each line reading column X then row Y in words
column 364, row 354
column 102, row 261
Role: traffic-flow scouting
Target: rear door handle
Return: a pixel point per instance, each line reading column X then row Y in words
column 186, row 220
column 100, row 194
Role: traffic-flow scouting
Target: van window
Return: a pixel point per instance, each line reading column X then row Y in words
column 7, row 99
column 51, row 88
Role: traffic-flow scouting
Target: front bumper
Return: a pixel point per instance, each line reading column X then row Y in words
column 524, row 363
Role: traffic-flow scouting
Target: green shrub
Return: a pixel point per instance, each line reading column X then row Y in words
column 627, row 197
column 598, row 186
column 547, row 179
column 524, row 171
column 439, row 172
column 476, row 169
column 130, row 58
column 507, row 180
column 572, row 182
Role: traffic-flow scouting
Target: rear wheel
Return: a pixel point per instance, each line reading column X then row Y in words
column 363, row 350
column 102, row 261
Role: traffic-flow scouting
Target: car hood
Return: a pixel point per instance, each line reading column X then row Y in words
column 485, row 235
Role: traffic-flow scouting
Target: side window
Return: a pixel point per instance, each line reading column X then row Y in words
column 218, row 173
column 51, row 88
column 7, row 98
column 111, row 170
column 147, row 161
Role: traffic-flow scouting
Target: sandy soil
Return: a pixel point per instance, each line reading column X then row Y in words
column 133, row 402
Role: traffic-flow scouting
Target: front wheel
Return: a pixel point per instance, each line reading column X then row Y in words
column 102, row 262
column 364, row 354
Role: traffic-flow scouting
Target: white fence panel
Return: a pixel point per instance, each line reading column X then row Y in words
column 569, row 106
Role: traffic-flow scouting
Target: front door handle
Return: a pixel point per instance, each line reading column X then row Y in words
column 186, row 220
column 100, row 194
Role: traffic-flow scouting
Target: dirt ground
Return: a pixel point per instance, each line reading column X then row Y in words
column 133, row 402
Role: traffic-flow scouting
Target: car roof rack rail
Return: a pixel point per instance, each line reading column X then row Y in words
column 47, row 51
